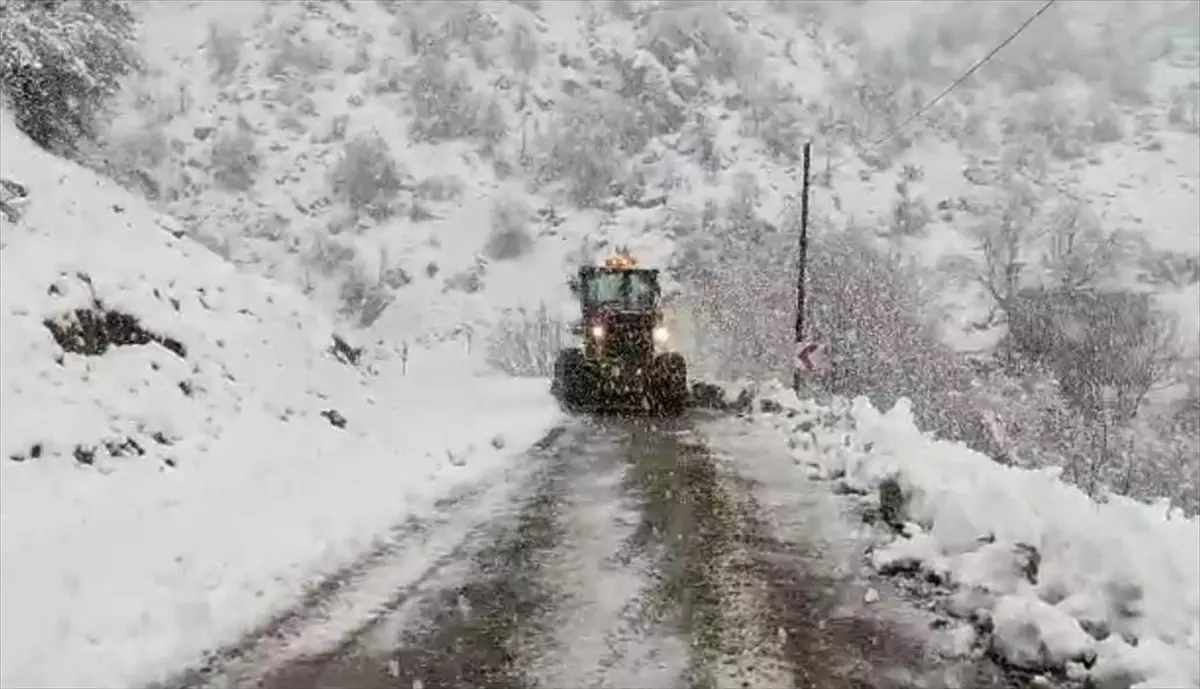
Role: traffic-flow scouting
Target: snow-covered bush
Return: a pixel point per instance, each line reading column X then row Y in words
column 1093, row 342
column 136, row 157
column 875, row 103
column 510, row 236
column 1184, row 109
column 60, row 62
column 223, row 49
column 776, row 118
column 589, row 144
column 701, row 35
column 364, row 300
column 648, row 89
column 439, row 188
column 910, row 213
column 1104, row 120
column 366, row 176
column 446, row 106
column 1033, row 425
column 523, row 49
column 469, row 280
column 235, row 159
column 292, row 52
column 1045, row 267
column 526, row 344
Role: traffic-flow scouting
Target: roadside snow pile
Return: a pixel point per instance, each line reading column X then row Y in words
column 1051, row 582
column 182, row 447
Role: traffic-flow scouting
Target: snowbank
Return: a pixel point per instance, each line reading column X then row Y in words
column 200, row 454
column 1051, row 580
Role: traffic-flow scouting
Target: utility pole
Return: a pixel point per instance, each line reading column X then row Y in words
column 802, row 263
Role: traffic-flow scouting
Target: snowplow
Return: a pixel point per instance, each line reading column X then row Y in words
column 625, row 361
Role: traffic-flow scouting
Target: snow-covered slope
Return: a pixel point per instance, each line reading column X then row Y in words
column 242, row 128
column 180, row 449
column 1034, row 571
column 267, row 103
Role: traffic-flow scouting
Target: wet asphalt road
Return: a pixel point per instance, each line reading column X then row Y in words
column 629, row 558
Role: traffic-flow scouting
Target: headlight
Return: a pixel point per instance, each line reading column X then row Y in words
column 661, row 334
column 597, row 331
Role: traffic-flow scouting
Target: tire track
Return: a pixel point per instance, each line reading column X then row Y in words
column 355, row 591
column 825, row 641
column 811, row 566
column 603, row 635
column 691, row 522
column 468, row 628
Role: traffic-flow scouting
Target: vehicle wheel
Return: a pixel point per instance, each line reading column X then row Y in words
column 570, row 379
column 670, row 387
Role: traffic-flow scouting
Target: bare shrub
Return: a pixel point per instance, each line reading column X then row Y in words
column 364, row 300
column 1058, row 316
column 295, row 53
column 523, row 48
column 440, row 188
column 445, row 104
column 1106, row 349
column 419, row 212
column 593, row 137
column 330, row 256
column 1050, row 118
column 526, row 344
column 362, row 55
column 469, row 281
column 782, row 130
column 235, row 160
column 510, row 236
column 1184, row 108
column 1106, row 125
column 704, row 30
column 223, row 49
column 1129, row 77
column 1033, row 425
column 865, row 305
column 136, row 155
column 876, row 102
column 910, row 214
column 1170, row 268
column 367, row 177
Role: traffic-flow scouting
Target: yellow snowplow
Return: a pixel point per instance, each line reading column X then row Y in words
column 625, row 360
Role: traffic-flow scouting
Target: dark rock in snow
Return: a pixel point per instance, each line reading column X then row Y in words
column 343, row 352
column 891, row 504
column 1030, row 561
column 92, row 331
column 770, row 406
column 843, row 488
column 335, row 418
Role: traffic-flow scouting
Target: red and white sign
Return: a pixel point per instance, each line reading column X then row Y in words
column 809, row 357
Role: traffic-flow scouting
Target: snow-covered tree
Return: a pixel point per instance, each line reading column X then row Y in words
column 60, row 60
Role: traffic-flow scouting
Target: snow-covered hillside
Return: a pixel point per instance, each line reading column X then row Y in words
column 323, row 145
column 184, row 448
column 1020, row 564
column 372, row 152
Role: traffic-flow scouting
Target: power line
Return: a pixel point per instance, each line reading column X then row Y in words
column 957, row 82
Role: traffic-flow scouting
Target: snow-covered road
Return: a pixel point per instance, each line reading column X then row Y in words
column 622, row 553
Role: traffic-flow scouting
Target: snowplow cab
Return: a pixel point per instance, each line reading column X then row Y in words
column 624, row 358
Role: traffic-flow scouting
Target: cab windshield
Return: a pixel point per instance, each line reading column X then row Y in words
column 632, row 290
